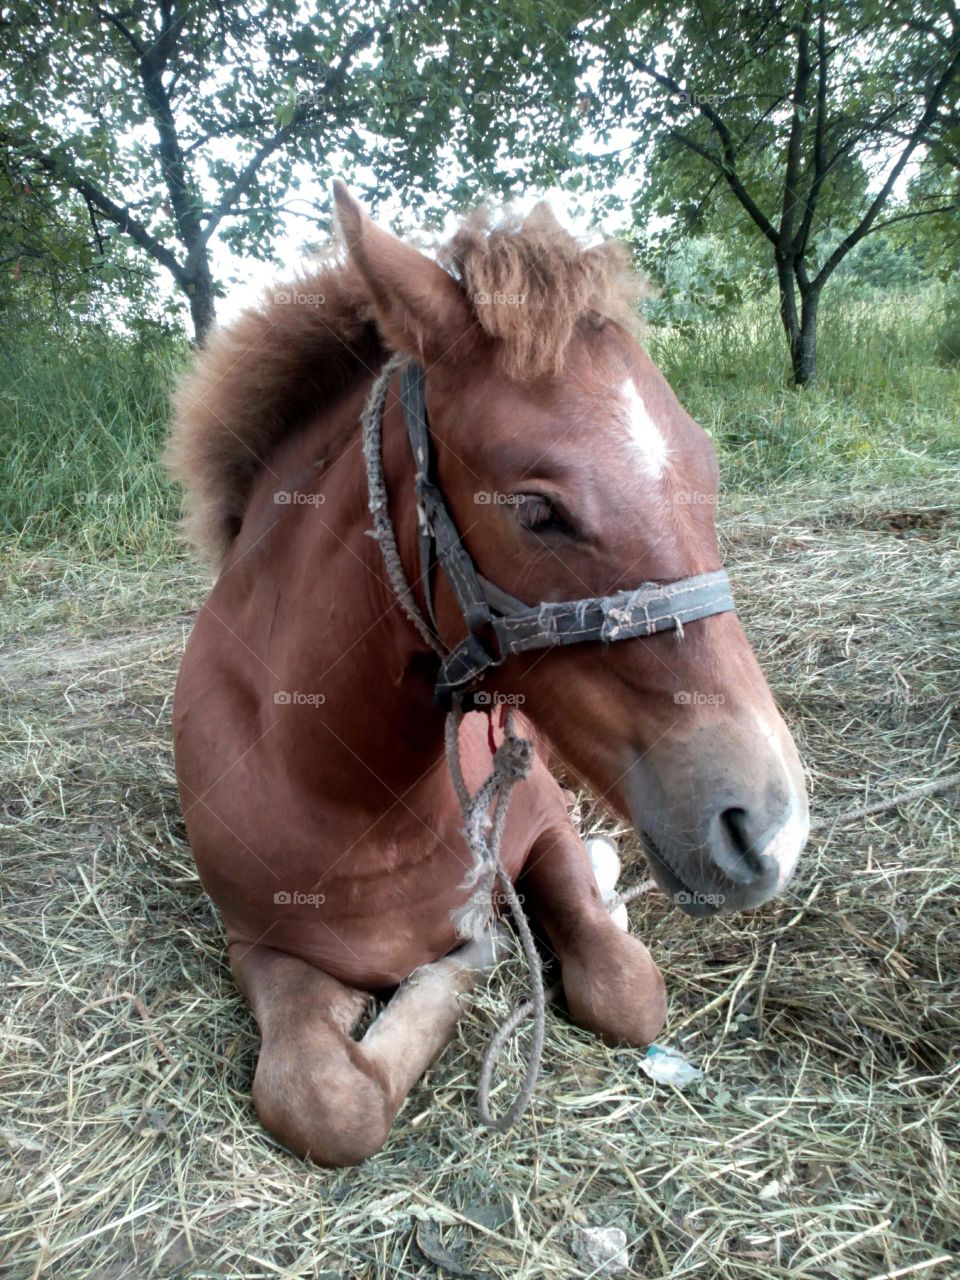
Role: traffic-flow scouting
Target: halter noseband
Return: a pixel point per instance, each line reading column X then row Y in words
column 519, row 627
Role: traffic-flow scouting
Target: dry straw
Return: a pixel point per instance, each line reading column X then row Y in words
column 819, row 1143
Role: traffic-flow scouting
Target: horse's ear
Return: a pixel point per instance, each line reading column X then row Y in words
column 420, row 309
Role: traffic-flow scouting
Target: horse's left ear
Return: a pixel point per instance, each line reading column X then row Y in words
column 420, row 309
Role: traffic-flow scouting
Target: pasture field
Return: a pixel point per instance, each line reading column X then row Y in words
column 821, row 1142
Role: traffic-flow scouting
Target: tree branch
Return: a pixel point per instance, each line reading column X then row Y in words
column 791, row 194
column 173, row 165
column 914, row 213
column 250, row 170
column 114, row 20
column 820, row 167
column 728, row 164
column 923, row 124
column 119, row 215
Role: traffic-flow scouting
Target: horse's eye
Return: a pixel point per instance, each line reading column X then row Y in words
column 540, row 515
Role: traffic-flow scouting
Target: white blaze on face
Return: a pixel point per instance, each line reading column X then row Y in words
column 647, row 441
column 786, row 843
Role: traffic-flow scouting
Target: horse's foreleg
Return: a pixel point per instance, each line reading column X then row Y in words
column 422, row 1015
column 611, row 984
column 316, row 1089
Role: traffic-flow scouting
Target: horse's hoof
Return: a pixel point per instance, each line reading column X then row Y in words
column 605, row 861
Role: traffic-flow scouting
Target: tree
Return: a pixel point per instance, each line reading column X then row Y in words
column 178, row 122
column 790, row 115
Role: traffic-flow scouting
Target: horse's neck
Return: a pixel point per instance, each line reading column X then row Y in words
column 339, row 636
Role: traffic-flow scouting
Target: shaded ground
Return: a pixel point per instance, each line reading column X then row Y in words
column 827, row 1025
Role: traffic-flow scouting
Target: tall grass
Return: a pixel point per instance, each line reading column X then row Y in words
column 884, row 407
column 83, row 415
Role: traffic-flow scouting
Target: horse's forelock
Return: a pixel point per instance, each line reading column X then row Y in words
column 531, row 282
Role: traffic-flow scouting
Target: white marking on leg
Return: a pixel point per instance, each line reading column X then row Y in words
column 605, row 861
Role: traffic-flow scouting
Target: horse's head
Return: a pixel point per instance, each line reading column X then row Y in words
column 572, row 470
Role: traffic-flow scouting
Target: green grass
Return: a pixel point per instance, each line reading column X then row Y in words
column 883, row 408
column 83, row 416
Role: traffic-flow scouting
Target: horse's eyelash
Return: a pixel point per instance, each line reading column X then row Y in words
column 553, row 519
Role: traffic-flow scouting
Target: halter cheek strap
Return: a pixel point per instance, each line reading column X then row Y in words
column 518, row 627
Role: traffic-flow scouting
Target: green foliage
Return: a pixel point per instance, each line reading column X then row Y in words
column 935, row 196
column 82, row 424
column 881, row 263
column 179, row 122
column 698, row 278
column 948, row 335
column 712, row 91
column 882, row 408
column 783, row 127
column 82, row 421
column 57, row 268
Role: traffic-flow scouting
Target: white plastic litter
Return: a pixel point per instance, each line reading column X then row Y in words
column 669, row 1066
column 602, row 1249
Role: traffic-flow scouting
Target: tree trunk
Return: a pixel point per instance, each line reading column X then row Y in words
column 800, row 325
column 788, row 309
column 805, row 361
column 200, row 293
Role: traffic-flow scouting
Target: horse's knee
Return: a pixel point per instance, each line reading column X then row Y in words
column 331, row 1110
column 613, row 988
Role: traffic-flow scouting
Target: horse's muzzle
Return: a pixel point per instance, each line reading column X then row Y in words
column 722, row 833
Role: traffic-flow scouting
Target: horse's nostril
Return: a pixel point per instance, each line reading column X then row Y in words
column 734, row 822
column 738, row 857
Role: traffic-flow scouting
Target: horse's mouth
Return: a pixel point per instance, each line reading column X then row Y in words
column 693, row 902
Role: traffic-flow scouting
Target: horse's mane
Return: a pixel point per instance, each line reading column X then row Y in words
column 265, row 375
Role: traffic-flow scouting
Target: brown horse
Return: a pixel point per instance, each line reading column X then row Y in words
column 309, row 748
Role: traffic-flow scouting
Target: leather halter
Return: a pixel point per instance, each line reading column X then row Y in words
column 515, row 626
